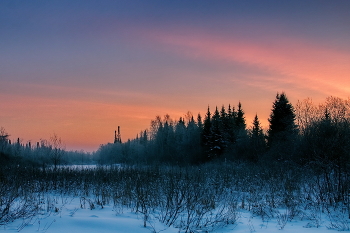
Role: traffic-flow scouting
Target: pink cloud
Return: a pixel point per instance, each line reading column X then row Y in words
column 305, row 64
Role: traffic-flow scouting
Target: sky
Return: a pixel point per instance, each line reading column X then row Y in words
column 79, row 69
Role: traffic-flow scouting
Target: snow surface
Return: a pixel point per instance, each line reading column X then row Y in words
column 68, row 216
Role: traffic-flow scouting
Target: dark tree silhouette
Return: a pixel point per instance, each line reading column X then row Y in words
column 230, row 122
column 283, row 131
column 206, row 136
column 282, row 120
column 240, row 120
column 257, row 140
column 217, row 141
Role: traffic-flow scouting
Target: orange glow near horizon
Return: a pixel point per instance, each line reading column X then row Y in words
column 79, row 123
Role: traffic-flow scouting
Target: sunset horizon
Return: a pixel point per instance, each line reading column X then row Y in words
column 81, row 69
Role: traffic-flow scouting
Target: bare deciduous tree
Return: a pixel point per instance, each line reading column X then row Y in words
column 57, row 149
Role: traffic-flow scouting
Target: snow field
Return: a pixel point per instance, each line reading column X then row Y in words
column 67, row 215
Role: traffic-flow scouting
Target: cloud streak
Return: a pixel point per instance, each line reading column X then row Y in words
column 304, row 64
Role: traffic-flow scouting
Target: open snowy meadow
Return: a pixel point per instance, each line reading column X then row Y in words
column 69, row 216
column 208, row 198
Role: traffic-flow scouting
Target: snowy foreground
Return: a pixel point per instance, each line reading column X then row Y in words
column 68, row 216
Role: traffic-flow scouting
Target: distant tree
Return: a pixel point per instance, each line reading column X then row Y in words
column 240, row 128
column 240, row 119
column 256, row 129
column 223, row 114
column 143, row 137
column 337, row 108
column 238, row 137
column 5, row 150
column 231, row 125
column 165, row 140
column 4, row 139
column 225, row 127
column 257, row 140
column 57, row 150
column 193, row 139
column 180, row 142
column 206, row 136
column 306, row 113
column 43, row 153
column 217, row 143
column 199, row 123
column 231, row 112
column 180, row 132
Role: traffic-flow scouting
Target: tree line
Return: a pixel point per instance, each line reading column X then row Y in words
column 305, row 134
column 42, row 154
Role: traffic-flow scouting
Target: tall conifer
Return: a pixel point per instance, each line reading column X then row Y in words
column 240, row 119
column 216, row 143
column 206, row 136
column 282, row 120
column 257, row 139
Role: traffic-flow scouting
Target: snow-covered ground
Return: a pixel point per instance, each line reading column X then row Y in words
column 68, row 216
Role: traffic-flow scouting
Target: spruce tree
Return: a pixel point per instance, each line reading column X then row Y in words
column 240, row 126
column 231, row 125
column 206, row 136
column 257, row 131
column 180, row 132
column 193, row 141
column 223, row 113
column 225, row 126
column 199, row 122
column 217, row 143
column 282, row 120
column 240, row 120
column 257, row 139
column 282, row 133
column 143, row 137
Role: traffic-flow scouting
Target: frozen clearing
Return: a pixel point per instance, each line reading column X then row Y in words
column 68, row 216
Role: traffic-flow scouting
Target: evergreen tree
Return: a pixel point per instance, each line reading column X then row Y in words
column 223, row 114
column 231, row 125
column 143, row 137
column 216, row 143
column 240, row 126
column 193, row 146
column 257, row 140
column 282, row 133
column 199, row 122
column 257, row 131
column 240, row 119
column 282, row 121
column 180, row 132
column 192, row 130
column 225, row 126
column 231, row 112
column 191, row 125
column 206, row 136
